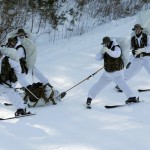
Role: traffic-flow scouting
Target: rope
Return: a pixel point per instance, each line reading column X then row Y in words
column 64, row 93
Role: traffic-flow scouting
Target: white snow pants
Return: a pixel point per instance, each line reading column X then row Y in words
column 105, row 79
column 136, row 66
column 13, row 96
column 35, row 72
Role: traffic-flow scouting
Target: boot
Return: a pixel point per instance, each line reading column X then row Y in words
column 132, row 100
column 88, row 103
column 117, row 88
column 53, row 101
column 21, row 112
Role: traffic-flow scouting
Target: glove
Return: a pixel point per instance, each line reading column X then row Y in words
column 105, row 50
column 139, row 51
column 62, row 95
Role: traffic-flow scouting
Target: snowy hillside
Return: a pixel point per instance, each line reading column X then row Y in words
column 68, row 125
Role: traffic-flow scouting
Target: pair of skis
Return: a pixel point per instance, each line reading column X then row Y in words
column 143, row 90
column 15, row 117
column 121, row 105
column 115, row 106
column 140, row 90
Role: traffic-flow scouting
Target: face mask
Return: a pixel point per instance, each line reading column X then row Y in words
column 138, row 31
column 20, row 38
column 107, row 45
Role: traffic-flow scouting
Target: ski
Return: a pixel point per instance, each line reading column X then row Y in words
column 114, row 106
column 120, row 91
column 88, row 107
column 143, row 90
column 121, row 105
column 140, row 90
column 15, row 117
column 7, row 104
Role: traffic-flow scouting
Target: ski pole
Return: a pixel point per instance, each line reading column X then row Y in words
column 64, row 93
column 8, row 104
column 31, row 93
column 22, row 89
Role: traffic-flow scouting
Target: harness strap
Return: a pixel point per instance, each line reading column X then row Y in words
column 20, row 46
column 51, row 97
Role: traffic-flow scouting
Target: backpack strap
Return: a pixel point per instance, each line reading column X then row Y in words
column 20, row 46
column 27, row 91
column 23, row 60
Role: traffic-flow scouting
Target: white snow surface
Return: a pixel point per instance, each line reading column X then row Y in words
column 68, row 125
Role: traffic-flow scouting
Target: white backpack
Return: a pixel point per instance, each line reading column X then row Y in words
column 124, row 43
column 30, row 49
column 144, row 21
column 143, row 18
column 29, row 46
column 10, row 52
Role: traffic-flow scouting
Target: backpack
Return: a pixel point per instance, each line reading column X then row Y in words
column 30, row 49
column 37, row 91
column 124, row 44
column 29, row 46
column 10, row 52
column 143, row 20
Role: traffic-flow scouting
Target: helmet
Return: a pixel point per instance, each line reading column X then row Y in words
column 106, row 40
column 21, row 32
column 12, row 42
column 137, row 26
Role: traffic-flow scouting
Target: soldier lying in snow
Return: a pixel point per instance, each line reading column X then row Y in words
column 39, row 94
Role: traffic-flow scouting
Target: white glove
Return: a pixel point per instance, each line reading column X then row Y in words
column 105, row 50
column 138, row 51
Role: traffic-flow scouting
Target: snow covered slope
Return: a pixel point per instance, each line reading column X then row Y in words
column 68, row 125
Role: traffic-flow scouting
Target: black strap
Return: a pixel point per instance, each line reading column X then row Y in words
column 20, row 46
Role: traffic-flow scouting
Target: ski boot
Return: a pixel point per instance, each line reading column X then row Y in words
column 88, row 103
column 132, row 100
column 22, row 112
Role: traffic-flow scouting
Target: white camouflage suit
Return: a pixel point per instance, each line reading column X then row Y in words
column 138, row 63
column 34, row 70
column 20, row 53
column 13, row 96
column 107, row 77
